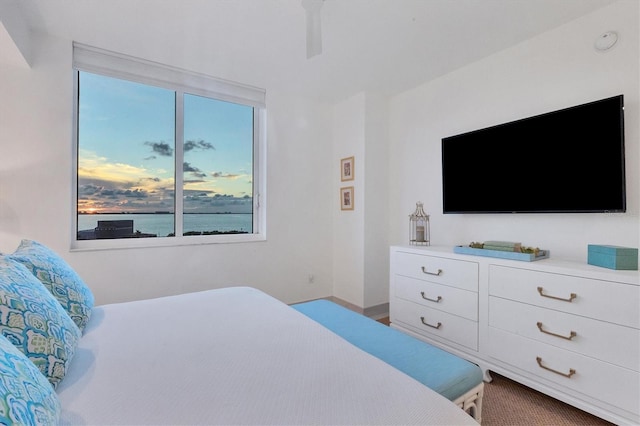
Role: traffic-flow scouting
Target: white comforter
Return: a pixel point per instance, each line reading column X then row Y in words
column 234, row 356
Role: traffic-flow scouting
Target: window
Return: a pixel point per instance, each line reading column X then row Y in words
column 164, row 156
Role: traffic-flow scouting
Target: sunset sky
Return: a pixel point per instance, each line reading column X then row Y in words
column 127, row 150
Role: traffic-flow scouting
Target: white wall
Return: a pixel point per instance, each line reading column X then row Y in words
column 554, row 70
column 15, row 37
column 361, row 249
column 35, row 195
column 348, row 225
column 376, row 207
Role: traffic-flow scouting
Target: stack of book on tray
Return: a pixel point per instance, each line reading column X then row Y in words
column 502, row 246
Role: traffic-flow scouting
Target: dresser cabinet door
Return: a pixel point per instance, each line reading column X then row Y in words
column 598, row 339
column 602, row 300
column 436, row 324
column 597, row 379
column 453, row 300
column 451, row 272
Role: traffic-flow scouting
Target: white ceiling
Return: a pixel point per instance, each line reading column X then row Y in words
column 385, row 46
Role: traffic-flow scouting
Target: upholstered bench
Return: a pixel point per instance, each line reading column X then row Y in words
column 449, row 375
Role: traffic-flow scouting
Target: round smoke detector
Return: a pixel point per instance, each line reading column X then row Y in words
column 606, row 41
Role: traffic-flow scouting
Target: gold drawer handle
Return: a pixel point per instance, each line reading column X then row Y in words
column 431, row 300
column 571, row 297
column 571, row 335
column 567, row 375
column 430, row 325
column 431, row 273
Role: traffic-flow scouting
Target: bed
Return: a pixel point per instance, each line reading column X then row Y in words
column 225, row 356
column 233, row 356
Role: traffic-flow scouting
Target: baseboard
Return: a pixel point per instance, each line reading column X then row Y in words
column 378, row 311
column 375, row 312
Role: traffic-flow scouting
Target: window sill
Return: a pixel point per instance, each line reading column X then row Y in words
column 133, row 243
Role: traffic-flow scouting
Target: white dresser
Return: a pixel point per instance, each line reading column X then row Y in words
column 570, row 330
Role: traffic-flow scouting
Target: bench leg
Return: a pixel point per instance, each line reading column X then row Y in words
column 471, row 402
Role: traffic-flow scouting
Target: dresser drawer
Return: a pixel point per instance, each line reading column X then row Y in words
column 597, row 339
column 434, row 323
column 451, row 272
column 453, row 300
column 614, row 385
column 603, row 300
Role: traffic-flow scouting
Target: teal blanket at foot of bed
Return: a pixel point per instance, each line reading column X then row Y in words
column 445, row 373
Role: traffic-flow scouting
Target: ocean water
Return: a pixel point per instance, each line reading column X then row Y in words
column 163, row 224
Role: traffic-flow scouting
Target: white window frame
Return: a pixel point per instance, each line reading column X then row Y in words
column 116, row 65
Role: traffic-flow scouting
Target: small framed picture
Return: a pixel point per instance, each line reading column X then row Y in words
column 346, row 169
column 346, row 198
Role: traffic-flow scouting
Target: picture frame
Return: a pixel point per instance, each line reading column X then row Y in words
column 346, row 198
column 347, row 171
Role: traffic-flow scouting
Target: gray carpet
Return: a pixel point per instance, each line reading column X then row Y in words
column 509, row 403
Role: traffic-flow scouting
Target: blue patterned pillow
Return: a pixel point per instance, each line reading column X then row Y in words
column 59, row 278
column 33, row 320
column 26, row 397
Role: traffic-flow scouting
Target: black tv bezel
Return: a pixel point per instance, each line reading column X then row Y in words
column 622, row 169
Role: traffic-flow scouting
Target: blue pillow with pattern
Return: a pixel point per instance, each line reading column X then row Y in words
column 26, row 396
column 59, row 278
column 33, row 320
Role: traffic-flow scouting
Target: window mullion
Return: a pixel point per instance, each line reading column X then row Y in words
column 179, row 164
column 257, row 181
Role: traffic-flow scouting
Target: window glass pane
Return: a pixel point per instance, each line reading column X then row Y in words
column 218, row 167
column 126, row 160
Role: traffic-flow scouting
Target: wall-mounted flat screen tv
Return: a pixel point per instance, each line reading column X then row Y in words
column 570, row 160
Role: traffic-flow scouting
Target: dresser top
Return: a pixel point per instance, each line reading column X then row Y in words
column 551, row 265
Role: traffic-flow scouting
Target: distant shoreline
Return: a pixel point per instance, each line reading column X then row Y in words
column 163, row 223
column 117, row 213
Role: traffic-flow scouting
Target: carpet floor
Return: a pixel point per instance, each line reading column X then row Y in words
column 508, row 403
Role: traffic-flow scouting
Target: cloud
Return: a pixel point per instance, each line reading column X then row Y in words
column 116, row 187
column 99, row 169
column 195, row 193
column 191, row 145
column 90, row 189
column 161, row 148
column 110, row 187
column 221, row 175
column 187, row 167
column 203, row 202
column 136, row 193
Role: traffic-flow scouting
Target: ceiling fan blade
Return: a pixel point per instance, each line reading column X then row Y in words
column 314, row 27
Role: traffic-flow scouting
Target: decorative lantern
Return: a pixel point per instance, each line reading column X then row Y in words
column 419, row 227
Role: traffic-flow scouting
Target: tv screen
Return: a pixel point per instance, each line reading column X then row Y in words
column 571, row 160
